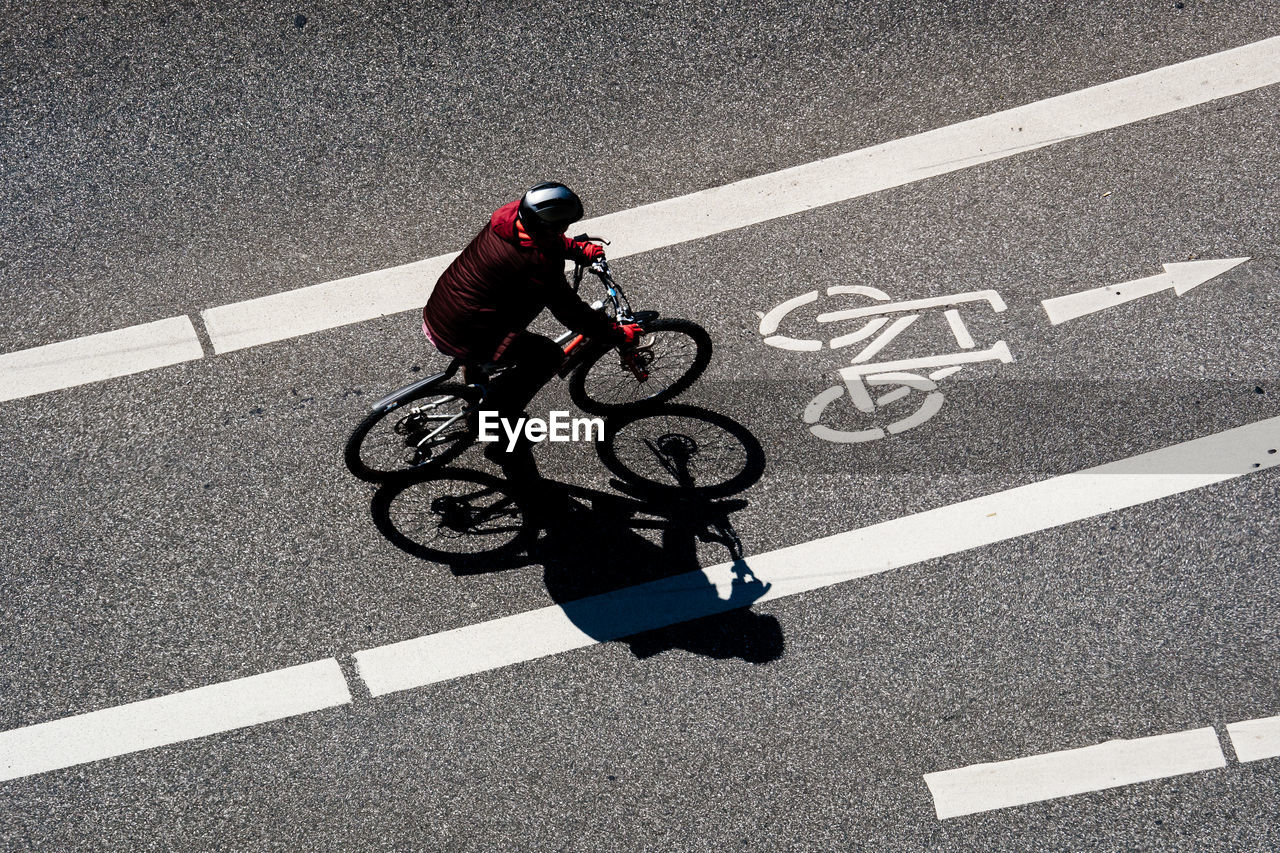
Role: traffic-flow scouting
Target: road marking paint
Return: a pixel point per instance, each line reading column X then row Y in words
column 551, row 630
column 873, row 349
column 823, row 562
column 281, row 316
column 95, row 357
column 959, row 329
column 999, row 351
column 789, row 191
column 170, row 719
column 1255, row 740
column 984, row 787
column 842, row 341
column 990, row 297
column 769, row 322
column 1181, row 277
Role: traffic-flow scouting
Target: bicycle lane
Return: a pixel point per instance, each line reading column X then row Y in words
column 814, row 484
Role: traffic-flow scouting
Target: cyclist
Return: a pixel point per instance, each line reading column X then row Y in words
column 513, row 269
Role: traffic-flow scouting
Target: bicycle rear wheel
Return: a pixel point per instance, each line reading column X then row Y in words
column 430, row 428
column 673, row 354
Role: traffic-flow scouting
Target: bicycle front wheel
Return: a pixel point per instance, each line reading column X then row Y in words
column 671, row 357
column 429, row 429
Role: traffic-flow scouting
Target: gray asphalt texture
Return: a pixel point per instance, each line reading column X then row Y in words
column 195, row 524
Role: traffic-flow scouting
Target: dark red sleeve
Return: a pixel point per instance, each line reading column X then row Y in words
column 572, row 311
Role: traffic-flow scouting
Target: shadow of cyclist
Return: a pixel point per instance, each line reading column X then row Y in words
column 616, row 584
column 676, row 467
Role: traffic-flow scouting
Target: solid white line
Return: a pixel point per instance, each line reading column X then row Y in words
column 173, row 718
column 95, row 357
column 889, row 545
column 760, row 199
column 1256, row 739
column 983, row 787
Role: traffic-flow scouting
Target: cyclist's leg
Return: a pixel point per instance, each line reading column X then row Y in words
column 531, row 360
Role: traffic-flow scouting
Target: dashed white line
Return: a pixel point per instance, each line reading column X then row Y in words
column 173, row 718
column 1254, row 740
column 96, row 357
column 984, row 787
column 280, row 316
column 701, row 214
column 800, row 188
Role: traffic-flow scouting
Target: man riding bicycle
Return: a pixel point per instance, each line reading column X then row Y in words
column 513, row 269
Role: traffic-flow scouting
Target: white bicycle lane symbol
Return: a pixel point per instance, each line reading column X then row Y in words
column 864, row 373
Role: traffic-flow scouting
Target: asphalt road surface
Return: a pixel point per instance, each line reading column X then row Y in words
column 906, row 608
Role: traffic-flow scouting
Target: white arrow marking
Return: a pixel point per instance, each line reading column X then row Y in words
column 1181, row 277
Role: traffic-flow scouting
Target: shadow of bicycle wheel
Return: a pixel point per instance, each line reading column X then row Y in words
column 461, row 517
column 682, row 451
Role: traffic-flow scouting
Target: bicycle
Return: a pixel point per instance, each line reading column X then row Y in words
column 429, row 422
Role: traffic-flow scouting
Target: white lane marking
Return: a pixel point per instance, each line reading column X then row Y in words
column 1182, row 277
column 173, row 718
column 103, row 356
column 1255, row 740
column 800, row 188
column 984, row 787
column 889, row 545
column 281, row 316
column 550, row 630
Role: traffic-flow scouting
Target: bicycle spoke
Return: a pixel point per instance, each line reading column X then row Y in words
column 421, row 433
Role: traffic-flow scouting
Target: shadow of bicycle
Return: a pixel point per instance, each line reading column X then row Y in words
column 622, row 565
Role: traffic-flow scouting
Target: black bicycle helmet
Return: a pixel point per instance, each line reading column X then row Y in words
column 551, row 206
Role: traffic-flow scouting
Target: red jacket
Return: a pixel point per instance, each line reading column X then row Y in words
column 497, row 286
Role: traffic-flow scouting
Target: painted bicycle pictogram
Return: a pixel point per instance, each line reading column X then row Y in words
column 884, row 320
